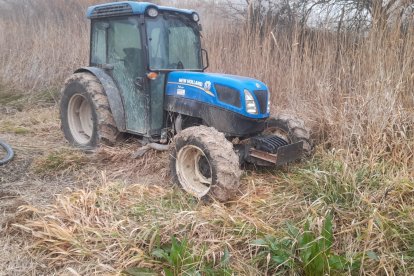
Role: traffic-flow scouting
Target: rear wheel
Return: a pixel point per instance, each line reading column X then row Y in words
column 85, row 113
column 290, row 129
column 204, row 163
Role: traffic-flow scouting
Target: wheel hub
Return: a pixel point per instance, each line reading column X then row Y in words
column 194, row 170
column 80, row 119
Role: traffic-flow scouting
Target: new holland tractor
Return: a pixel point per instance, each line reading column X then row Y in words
column 146, row 76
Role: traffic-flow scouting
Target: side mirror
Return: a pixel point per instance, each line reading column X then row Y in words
column 204, row 56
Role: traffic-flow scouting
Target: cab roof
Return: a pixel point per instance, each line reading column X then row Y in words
column 127, row 8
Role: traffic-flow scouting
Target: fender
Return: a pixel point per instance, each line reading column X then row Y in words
column 113, row 94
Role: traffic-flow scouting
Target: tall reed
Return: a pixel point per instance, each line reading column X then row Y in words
column 356, row 91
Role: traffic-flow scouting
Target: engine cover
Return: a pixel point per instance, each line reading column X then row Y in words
column 218, row 99
column 219, row 90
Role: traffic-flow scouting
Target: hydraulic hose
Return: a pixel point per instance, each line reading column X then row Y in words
column 9, row 153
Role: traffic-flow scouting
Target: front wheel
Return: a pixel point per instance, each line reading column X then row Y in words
column 290, row 129
column 204, row 163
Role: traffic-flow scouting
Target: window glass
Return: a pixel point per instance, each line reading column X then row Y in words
column 98, row 51
column 174, row 43
column 124, row 44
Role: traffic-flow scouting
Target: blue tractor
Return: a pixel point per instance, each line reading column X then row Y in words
column 146, row 76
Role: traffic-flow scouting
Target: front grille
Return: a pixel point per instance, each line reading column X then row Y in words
column 228, row 95
column 112, row 10
column 261, row 96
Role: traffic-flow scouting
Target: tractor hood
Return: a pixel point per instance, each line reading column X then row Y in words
column 237, row 82
column 210, row 79
column 220, row 90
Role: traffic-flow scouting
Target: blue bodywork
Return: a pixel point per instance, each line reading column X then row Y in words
column 201, row 87
column 137, row 7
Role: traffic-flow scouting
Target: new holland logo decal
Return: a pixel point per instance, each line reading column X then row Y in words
column 193, row 83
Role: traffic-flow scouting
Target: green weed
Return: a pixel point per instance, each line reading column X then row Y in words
column 59, row 160
column 222, row 269
column 18, row 99
column 303, row 251
column 176, row 200
column 328, row 178
column 180, row 258
column 47, row 96
column 11, row 97
column 10, row 127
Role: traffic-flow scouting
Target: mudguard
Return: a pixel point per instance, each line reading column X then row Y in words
column 113, row 94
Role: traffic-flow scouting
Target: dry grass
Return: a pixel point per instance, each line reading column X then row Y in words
column 116, row 227
column 358, row 98
column 150, row 169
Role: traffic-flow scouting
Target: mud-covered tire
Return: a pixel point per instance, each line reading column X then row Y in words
column 86, row 118
column 223, row 173
column 291, row 129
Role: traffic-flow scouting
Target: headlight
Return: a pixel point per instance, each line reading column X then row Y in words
column 153, row 12
column 268, row 102
column 196, row 17
column 250, row 102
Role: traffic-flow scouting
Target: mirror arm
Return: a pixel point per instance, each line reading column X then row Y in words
column 207, row 61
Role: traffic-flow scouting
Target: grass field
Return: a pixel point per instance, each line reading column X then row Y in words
column 346, row 210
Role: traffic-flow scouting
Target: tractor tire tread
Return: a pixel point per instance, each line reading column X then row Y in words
column 107, row 130
column 296, row 129
column 224, row 160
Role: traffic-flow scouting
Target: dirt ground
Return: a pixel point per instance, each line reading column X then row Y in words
column 45, row 165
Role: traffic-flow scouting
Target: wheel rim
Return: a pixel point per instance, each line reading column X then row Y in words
column 80, row 119
column 194, row 170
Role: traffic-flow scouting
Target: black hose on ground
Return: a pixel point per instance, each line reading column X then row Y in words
column 9, row 153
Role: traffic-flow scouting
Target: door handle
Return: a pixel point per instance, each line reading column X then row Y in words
column 106, row 66
column 139, row 83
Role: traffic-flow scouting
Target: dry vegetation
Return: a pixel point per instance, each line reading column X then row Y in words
column 355, row 92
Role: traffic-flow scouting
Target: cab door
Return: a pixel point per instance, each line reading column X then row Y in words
column 124, row 54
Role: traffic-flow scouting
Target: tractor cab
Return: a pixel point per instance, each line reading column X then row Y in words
column 138, row 44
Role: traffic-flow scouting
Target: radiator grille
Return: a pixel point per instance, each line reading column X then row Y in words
column 228, row 95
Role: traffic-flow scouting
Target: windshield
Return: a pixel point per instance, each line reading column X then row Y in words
column 174, row 43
